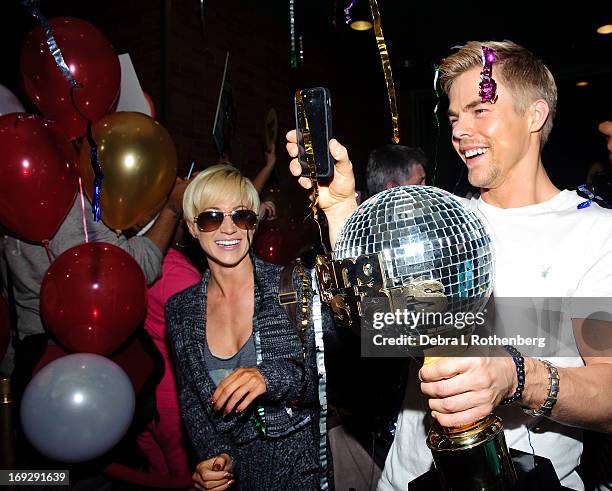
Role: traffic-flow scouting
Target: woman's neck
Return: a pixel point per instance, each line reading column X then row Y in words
column 228, row 281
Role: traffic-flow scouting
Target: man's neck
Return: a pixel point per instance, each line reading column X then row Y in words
column 527, row 185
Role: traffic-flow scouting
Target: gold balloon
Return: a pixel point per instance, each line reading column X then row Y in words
column 139, row 162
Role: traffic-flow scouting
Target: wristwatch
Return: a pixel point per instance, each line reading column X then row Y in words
column 553, row 390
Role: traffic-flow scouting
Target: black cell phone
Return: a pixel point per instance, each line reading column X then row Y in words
column 313, row 121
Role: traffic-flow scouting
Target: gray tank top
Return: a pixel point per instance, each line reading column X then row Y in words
column 220, row 368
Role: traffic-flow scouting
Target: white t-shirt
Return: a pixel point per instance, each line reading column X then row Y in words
column 550, row 249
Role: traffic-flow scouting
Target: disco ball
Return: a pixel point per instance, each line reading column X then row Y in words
column 423, row 233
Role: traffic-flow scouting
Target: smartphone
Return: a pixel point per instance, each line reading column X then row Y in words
column 313, row 121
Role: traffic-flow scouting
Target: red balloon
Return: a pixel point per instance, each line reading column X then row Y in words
column 5, row 327
column 93, row 297
column 151, row 104
column 38, row 177
column 280, row 242
column 273, row 244
column 92, row 62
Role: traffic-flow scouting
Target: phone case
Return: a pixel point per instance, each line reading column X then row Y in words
column 313, row 118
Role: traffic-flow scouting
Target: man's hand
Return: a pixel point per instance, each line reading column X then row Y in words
column 244, row 384
column 214, row 473
column 341, row 188
column 336, row 199
column 464, row 390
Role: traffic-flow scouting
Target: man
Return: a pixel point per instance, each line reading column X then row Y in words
column 366, row 403
column 395, row 165
column 545, row 245
column 24, row 265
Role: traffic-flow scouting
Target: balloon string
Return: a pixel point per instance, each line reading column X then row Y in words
column 99, row 175
column 45, row 244
column 202, row 16
column 347, row 11
column 83, row 210
column 32, row 8
column 386, row 65
column 292, row 39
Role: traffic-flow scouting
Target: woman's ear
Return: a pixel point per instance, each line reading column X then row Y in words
column 192, row 229
column 538, row 113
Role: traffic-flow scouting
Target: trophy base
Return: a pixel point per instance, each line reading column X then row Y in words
column 530, row 478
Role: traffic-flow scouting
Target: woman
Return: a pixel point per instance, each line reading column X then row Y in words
column 164, row 441
column 248, row 384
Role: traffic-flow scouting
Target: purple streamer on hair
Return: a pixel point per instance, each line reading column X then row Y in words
column 488, row 86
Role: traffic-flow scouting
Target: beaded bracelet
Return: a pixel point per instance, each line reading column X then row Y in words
column 519, row 362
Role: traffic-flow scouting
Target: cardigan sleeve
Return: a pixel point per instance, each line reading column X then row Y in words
column 206, row 441
column 290, row 381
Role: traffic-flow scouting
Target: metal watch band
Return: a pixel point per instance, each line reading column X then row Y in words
column 553, row 390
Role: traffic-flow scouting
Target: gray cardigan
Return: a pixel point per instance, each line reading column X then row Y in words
column 291, row 427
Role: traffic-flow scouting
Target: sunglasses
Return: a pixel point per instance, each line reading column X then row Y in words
column 211, row 220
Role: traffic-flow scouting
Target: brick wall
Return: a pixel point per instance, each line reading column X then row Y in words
column 180, row 65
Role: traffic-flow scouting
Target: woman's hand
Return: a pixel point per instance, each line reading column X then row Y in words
column 245, row 384
column 267, row 210
column 214, row 473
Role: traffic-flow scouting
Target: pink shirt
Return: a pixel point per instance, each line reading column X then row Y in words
column 177, row 274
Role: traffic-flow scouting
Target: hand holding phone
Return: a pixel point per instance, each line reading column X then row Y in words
column 313, row 121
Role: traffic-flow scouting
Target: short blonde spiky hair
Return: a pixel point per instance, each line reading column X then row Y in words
column 217, row 183
column 525, row 75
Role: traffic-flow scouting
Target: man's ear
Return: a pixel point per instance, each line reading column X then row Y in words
column 391, row 185
column 538, row 114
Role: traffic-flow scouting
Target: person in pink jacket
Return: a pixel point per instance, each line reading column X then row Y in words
column 163, row 442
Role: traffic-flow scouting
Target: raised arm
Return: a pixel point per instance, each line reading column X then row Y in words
column 162, row 231
column 259, row 181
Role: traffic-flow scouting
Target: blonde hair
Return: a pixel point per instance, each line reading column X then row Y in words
column 525, row 75
column 217, row 183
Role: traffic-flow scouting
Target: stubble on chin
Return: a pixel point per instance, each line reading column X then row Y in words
column 484, row 178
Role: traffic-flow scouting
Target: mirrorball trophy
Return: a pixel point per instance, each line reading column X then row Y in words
column 417, row 248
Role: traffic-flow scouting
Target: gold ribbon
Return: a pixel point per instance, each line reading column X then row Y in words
column 310, row 161
column 309, row 154
column 386, row 65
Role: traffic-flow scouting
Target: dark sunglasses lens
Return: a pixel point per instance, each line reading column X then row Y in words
column 209, row 220
column 245, row 219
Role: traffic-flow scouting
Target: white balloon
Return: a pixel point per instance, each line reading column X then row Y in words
column 9, row 102
column 77, row 407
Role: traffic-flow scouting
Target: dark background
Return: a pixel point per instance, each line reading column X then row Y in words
column 180, row 65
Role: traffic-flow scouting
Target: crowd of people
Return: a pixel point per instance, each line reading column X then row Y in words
column 243, row 399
